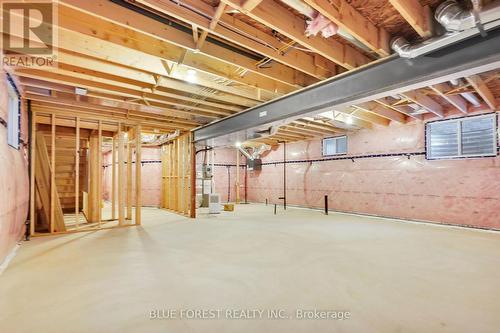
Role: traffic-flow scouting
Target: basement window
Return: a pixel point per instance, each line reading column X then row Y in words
column 335, row 146
column 13, row 117
column 461, row 138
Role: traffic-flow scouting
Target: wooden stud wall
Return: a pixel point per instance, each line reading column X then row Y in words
column 66, row 134
column 138, row 175
column 176, row 159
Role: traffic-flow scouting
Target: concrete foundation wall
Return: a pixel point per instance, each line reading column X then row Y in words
column 14, row 180
column 461, row 192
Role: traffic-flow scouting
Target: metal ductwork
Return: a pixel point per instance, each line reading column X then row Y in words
column 469, row 96
column 244, row 152
column 301, row 7
column 162, row 139
column 460, row 24
column 406, row 50
column 454, row 18
column 257, row 152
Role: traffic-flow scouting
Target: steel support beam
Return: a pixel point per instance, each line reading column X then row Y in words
column 390, row 76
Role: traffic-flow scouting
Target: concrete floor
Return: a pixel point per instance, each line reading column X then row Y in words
column 391, row 276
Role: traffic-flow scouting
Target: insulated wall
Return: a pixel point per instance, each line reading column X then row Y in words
column 150, row 180
column 225, row 174
column 461, row 192
column 14, row 180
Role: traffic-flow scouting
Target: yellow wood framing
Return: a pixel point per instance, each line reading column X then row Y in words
column 176, row 175
column 348, row 18
column 285, row 22
column 32, row 175
column 77, row 173
column 138, row 175
column 418, row 16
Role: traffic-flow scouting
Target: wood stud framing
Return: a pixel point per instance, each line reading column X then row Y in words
column 177, row 174
column 53, row 174
column 121, row 176
column 32, row 175
column 55, row 171
column 129, row 175
column 77, row 173
column 138, row 175
column 99, row 173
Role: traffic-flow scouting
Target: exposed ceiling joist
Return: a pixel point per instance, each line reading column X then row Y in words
column 418, row 16
column 213, row 23
column 425, row 101
column 249, row 5
column 317, row 125
column 167, row 42
column 312, row 129
column 143, row 82
column 286, row 23
column 305, row 130
column 118, row 89
column 348, row 18
column 456, row 100
column 228, row 94
column 382, row 111
column 352, row 119
column 78, row 44
column 292, row 135
column 95, row 115
column 66, row 94
column 402, row 109
column 360, row 113
column 482, row 89
column 248, row 37
column 64, row 103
